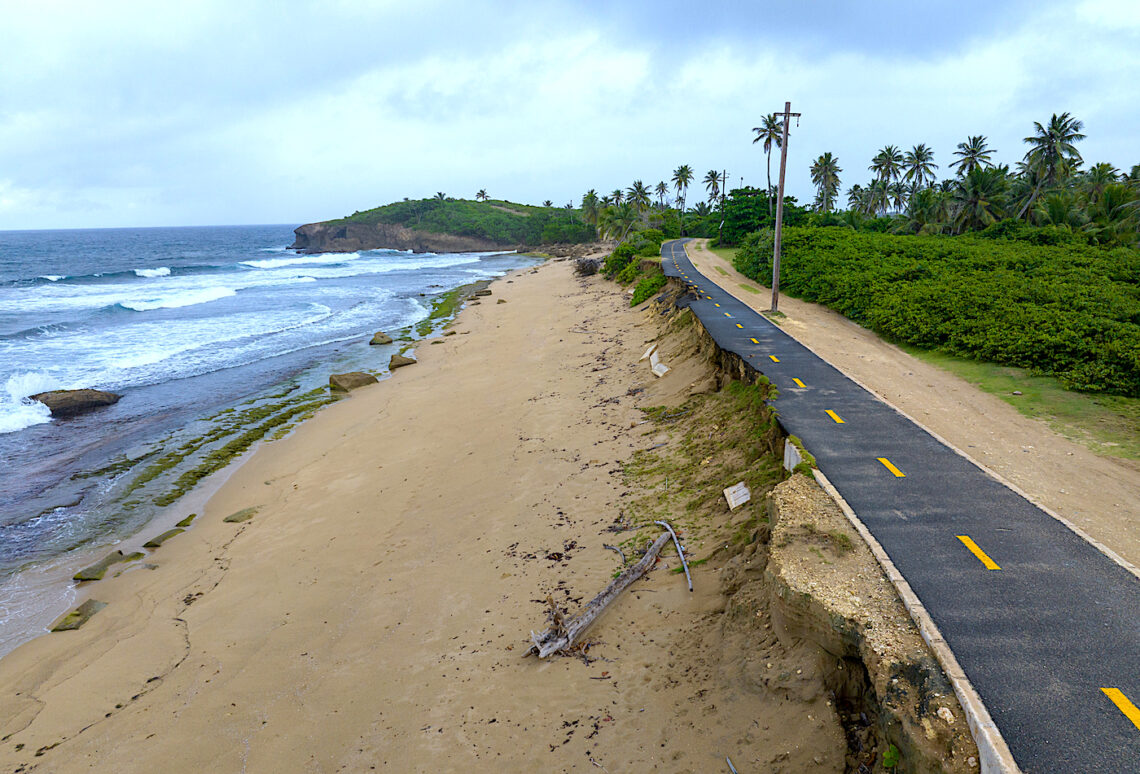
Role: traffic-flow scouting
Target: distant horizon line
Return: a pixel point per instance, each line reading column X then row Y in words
column 140, row 228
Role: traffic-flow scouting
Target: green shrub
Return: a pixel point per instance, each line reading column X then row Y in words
column 618, row 260
column 1071, row 311
column 629, row 273
column 649, row 284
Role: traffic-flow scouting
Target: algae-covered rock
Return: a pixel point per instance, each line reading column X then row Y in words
column 99, row 569
column 155, row 542
column 450, row 333
column 350, row 381
column 381, row 338
column 65, row 403
column 501, row 301
column 481, row 293
column 78, row 616
column 399, row 361
column 133, row 556
column 187, row 521
column 245, row 514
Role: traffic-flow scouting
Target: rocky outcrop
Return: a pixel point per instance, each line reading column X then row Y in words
column 349, row 237
column 399, row 361
column 99, row 569
column 78, row 616
column 350, row 381
column 66, row 403
column 381, row 338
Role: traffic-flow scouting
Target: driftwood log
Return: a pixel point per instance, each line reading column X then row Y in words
column 564, row 634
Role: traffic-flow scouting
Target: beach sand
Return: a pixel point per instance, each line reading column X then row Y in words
column 373, row 613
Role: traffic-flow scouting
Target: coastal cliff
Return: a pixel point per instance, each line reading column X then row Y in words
column 342, row 237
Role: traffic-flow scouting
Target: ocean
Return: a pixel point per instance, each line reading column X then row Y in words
column 216, row 337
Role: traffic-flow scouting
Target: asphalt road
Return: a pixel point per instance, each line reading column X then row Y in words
column 1045, row 626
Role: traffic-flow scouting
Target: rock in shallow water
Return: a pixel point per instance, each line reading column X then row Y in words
column 399, row 361
column 65, row 403
column 350, row 381
column 381, row 338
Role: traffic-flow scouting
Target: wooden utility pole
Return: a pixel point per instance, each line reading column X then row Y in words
column 723, row 192
column 788, row 114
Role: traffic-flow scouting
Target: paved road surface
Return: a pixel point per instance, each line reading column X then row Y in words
column 1041, row 622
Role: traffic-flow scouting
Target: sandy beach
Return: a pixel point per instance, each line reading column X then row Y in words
column 373, row 613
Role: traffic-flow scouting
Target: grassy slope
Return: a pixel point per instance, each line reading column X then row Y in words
column 498, row 221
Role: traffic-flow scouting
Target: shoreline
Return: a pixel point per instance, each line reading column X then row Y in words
column 43, row 590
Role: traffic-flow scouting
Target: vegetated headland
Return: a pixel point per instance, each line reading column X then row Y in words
column 444, row 224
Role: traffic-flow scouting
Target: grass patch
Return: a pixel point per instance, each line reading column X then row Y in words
column 443, row 306
column 721, row 270
column 1107, row 424
column 749, row 288
column 727, row 253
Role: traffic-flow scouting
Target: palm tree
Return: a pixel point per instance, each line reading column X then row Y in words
column 591, row 207
column 887, row 164
column 624, row 216
column 973, row 153
column 771, row 133
column 856, row 198
column 878, row 197
column 662, row 191
column 1097, row 178
column 712, row 184
column 920, row 166
column 1052, row 154
column 682, row 176
column 980, row 197
column 482, row 195
column 1059, row 208
column 638, row 196
column 617, row 196
column 548, row 203
column 440, row 195
column 825, row 175
column 1053, row 148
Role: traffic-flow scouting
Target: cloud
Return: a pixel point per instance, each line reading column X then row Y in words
column 119, row 114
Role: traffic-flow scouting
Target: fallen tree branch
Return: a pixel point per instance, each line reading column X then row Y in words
column 680, row 553
column 563, row 635
column 615, row 548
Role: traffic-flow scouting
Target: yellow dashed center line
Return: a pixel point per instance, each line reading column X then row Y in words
column 716, row 304
column 773, row 358
column 834, row 416
column 891, row 467
column 754, row 341
column 726, row 314
column 982, row 556
column 738, row 325
column 797, row 381
column 1123, row 704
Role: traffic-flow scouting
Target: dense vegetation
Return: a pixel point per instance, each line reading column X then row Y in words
column 500, row 222
column 1070, row 310
column 1049, row 186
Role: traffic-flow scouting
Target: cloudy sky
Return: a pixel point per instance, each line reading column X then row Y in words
column 145, row 114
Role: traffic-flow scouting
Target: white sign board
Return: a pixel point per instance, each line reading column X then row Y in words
column 737, row 496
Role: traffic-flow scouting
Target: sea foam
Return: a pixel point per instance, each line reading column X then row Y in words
column 177, row 300
column 301, row 260
column 161, row 271
column 16, row 411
